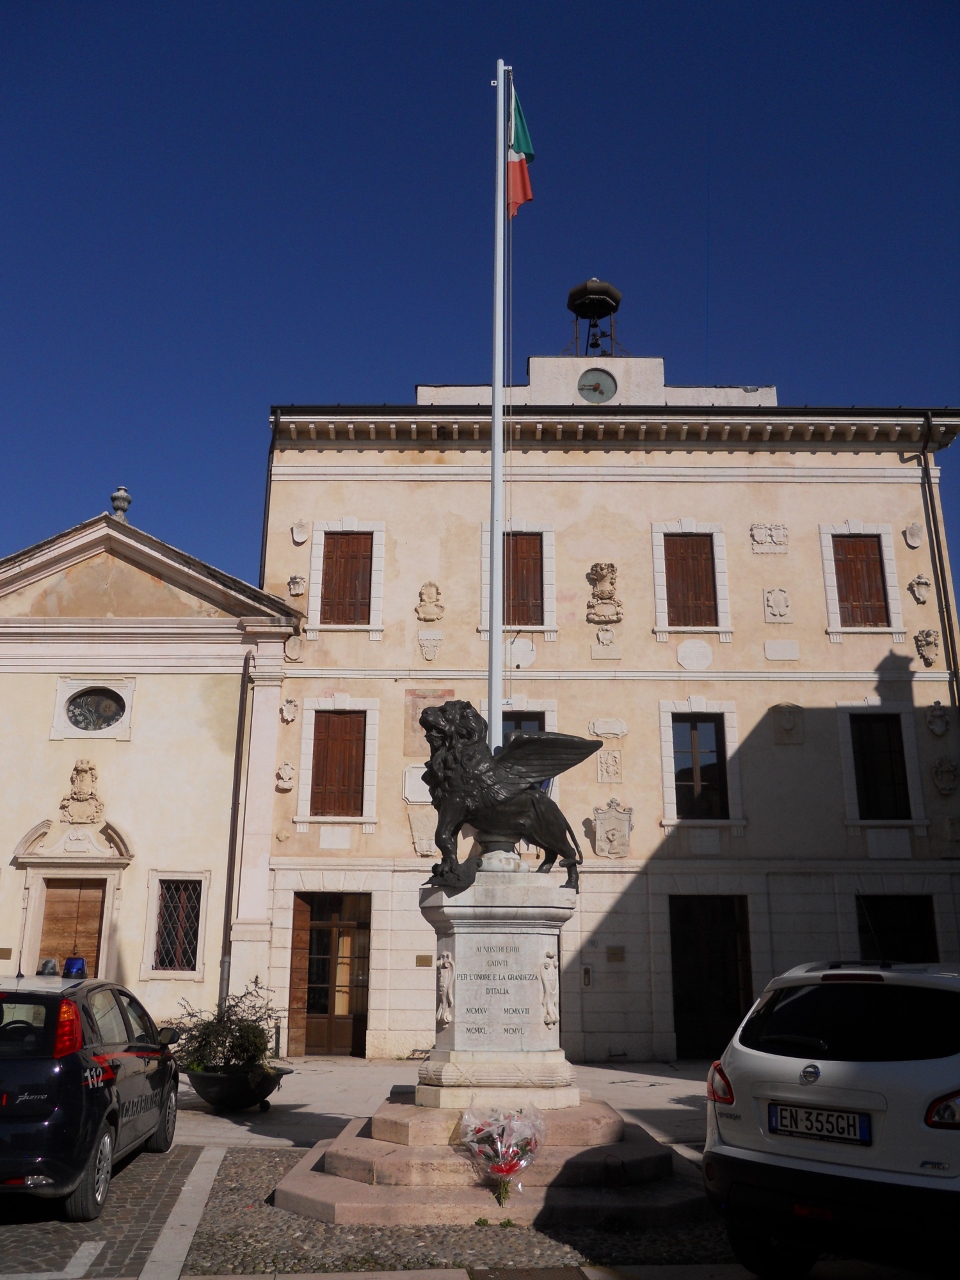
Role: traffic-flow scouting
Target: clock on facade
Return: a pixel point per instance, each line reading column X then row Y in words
column 597, row 386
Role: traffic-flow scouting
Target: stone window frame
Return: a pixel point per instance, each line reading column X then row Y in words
column 347, row 524
column 147, row 971
column 548, row 629
column 662, row 629
column 835, row 631
column 304, row 819
column 548, row 708
column 701, row 706
column 911, row 760
column 69, row 686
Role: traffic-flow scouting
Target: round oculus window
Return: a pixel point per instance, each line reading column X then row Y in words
column 597, row 386
column 95, row 709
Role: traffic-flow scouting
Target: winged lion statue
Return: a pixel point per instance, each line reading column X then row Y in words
column 499, row 795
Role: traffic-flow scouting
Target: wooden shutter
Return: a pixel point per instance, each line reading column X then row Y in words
column 338, row 741
column 691, row 580
column 72, row 920
column 345, row 593
column 523, row 580
column 861, row 588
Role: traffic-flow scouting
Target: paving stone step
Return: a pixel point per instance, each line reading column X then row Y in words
column 364, row 1159
column 592, row 1124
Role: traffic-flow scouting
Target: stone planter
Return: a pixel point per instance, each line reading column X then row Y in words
column 239, row 1088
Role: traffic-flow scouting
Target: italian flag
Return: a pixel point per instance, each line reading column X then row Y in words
column 519, row 155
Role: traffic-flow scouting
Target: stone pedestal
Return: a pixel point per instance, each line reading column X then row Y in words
column 498, row 992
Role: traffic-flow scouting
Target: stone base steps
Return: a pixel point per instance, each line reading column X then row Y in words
column 309, row 1191
column 629, row 1162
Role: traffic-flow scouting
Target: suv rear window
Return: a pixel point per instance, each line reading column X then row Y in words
column 856, row 1022
column 27, row 1025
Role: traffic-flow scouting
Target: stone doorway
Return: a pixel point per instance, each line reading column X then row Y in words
column 712, row 982
column 329, row 974
column 73, row 921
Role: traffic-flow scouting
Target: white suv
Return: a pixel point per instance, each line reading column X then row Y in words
column 834, row 1115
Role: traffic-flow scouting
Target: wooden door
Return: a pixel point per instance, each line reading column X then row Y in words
column 712, row 983
column 329, row 974
column 73, row 921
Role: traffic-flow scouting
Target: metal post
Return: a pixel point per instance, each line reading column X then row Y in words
column 495, row 660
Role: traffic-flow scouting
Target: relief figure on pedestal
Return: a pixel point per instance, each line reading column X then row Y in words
column 550, row 982
column 446, row 977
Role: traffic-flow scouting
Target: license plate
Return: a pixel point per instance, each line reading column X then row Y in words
column 791, row 1121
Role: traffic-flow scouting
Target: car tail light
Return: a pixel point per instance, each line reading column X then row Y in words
column 69, row 1032
column 719, row 1088
column 944, row 1113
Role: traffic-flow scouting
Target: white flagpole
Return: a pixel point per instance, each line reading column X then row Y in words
column 495, row 661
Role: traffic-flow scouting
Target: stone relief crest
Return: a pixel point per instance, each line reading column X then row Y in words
column 288, row 710
column 429, row 642
column 777, row 606
column 788, row 725
column 285, row 776
column 946, row 775
column 612, row 826
column 609, row 765
column 293, row 648
column 768, row 538
column 919, row 588
column 296, row 584
column 300, row 532
column 429, row 608
column 913, row 535
column 938, row 719
column 550, row 988
column 423, row 827
column 928, row 646
column 446, row 977
column 603, row 607
column 82, row 804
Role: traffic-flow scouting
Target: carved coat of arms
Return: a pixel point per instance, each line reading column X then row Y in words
column 603, row 607
column 612, row 826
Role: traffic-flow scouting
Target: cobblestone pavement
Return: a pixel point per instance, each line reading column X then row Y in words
column 241, row 1233
column 143, row 1190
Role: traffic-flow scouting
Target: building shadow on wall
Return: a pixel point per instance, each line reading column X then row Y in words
column 821, row 838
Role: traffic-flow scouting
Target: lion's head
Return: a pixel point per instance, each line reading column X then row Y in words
column 454, row 725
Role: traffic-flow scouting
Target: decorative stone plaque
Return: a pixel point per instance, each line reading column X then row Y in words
column 300, row 532
column 777, row 606
column 913, row 535
column 609, row 765
column 938, row 719
column 694, row 655
column 608, row 727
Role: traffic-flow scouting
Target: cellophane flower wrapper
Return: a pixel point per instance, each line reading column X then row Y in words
column 503, row 1144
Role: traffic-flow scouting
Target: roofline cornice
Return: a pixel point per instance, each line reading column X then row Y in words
column 605, row 426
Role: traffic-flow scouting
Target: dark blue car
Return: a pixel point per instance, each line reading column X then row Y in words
column 85, row 1077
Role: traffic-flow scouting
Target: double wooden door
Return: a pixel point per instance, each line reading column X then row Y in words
column 73, row 921
column 329, row 974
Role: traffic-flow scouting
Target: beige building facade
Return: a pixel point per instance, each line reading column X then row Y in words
column 123, row 666
column 748, row 604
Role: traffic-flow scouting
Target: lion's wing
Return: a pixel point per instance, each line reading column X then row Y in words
column 535, row 757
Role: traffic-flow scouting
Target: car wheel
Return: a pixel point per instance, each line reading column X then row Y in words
column 768, row 1255
column 87, row 1200
column 162, row 1137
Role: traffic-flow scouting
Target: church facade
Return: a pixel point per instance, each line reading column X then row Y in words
column 748, row 605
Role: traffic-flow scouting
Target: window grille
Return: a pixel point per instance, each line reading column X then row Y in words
column 178, row 925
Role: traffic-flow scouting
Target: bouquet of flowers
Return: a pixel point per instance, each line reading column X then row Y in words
column 502, row 1145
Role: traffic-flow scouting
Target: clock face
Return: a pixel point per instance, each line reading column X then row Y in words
column 597, row 386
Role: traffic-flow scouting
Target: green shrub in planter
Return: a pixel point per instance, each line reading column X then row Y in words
column 235, row 1037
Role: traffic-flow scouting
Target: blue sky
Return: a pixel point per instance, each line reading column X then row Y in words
column 207, row 208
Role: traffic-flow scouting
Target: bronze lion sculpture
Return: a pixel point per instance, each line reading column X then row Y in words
column 499, row 795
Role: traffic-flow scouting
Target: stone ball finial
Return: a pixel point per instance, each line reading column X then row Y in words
column 121, row 501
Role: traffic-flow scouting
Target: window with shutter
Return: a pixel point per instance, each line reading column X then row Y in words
column 691, row 580
column 700, row 766
column 879, row 767
column 345, row 591
column 336, row 789
column 523, row 580
column 861, row 587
